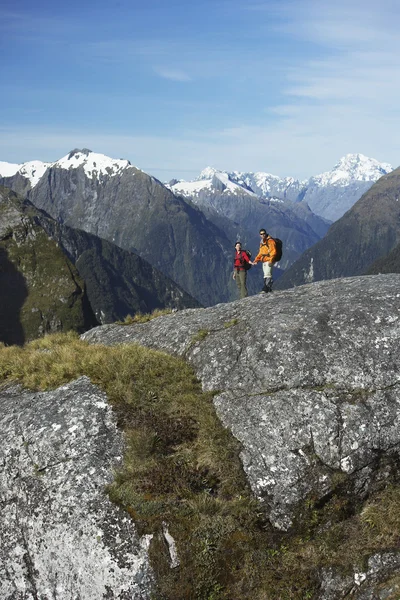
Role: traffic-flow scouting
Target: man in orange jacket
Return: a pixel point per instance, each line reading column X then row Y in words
column 266, row 255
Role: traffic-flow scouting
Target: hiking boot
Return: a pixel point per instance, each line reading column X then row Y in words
column 267, row 285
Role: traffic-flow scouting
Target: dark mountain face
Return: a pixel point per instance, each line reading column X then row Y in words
column 367, row 232
column 136, row 212
column 386, row 264
column 40, row 289
column 54, row 277
column 118, row 282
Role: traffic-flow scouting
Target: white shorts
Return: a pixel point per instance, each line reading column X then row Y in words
column 267, row 269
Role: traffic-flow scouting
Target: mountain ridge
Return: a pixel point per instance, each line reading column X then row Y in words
column 352, row 175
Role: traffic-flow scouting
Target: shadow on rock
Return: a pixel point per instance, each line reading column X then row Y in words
column 13, row 292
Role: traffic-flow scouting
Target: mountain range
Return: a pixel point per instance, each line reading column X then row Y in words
column 329, row 194
column 221, row 198
column 192, row 245
column 187, row 230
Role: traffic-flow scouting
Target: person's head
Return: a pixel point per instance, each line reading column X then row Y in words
column 238, row 246
column 263, row 233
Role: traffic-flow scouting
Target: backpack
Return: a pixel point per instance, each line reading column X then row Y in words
column 247, row 265
column 278, row 246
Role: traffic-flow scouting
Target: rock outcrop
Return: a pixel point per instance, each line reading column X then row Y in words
column 61, row 537
column 307, row 380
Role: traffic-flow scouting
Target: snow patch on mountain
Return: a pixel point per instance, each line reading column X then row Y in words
column 8, row 169
column 93, row 164
column 208, row 173
column 32, row 170
column 210, row 180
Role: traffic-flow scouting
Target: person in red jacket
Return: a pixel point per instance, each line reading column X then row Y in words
column 267, row 256
column 239, row 269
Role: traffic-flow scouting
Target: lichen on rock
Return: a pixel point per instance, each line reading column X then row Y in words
column 61, row 537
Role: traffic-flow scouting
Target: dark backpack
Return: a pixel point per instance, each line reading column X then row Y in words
column 278, row 245
column 245, row 264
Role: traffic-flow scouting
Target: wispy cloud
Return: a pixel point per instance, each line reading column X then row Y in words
column 172, row 74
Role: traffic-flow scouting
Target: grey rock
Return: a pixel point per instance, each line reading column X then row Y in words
column 372, row 584
column 60, row 535
column 307, row 379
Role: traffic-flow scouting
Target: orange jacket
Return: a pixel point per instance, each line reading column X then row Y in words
column 267, row 251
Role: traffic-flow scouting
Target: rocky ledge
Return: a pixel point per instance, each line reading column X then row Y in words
column 307, row 379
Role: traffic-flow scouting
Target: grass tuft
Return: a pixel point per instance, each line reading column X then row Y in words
column 144, row 318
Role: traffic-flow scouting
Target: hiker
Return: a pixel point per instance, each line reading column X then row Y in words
column 240, row 269
column 267, row 255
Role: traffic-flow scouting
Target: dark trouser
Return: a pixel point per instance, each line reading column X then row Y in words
column 241, row 277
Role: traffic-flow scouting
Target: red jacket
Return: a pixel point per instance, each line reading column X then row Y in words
column 240, row 258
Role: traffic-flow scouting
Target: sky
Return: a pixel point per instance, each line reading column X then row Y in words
column 286, row 87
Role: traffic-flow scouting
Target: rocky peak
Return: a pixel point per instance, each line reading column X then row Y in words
column 351, row 168
column 207, row 173
column 84, row 151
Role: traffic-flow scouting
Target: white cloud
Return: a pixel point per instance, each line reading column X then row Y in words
column 172, row 74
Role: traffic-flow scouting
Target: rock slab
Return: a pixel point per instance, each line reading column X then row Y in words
column 60, row 535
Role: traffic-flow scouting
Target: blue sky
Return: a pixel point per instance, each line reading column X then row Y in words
column 286, row 87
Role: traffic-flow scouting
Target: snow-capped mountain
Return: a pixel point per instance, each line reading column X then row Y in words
column 329, row 194
column 333, row 193
column 117, row 202
column 352, row 167
column 223, row 195
column 209, row 180
column 261, row 184
column 93, row 164
column 271, row 186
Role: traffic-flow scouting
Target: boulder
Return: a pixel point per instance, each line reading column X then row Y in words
column 61, row 537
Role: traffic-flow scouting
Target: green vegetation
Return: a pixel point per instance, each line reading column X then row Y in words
column 181, row 466
column 140, row 318
column 231, row 323
column 43, row 291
